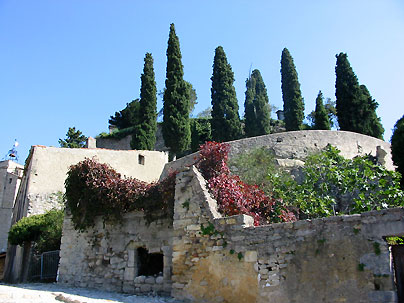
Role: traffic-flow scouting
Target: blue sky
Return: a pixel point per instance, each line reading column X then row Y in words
column 76, row 62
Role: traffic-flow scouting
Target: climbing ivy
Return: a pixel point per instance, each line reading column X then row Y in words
column 95, row 189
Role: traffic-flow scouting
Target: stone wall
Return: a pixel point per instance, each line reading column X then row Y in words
column 292, row 147
column 210, row 258
column 336, row 259
column 106, row 257
column 124, row 143
column 10, row 179
column 46, row 170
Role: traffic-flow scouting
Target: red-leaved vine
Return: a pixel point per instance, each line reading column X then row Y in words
column 94, row 189
column 232, row 194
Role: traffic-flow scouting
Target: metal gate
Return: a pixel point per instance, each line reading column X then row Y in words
column 44, row 266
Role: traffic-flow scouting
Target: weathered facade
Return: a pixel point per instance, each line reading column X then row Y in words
column 10, row 178
column 216, row 259
column 42, row 185
column 110, row 257
column 199, row 256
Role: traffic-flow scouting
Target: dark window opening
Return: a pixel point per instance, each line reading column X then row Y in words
column 141, row 160
column 149, row 264
column 11, row 180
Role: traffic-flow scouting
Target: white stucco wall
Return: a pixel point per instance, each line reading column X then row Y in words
column 49, row 165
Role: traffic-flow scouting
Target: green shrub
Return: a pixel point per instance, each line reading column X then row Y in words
column 45, row 230
column 331, row 184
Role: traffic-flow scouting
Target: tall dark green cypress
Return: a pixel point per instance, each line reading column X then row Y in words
column 356, row 110
column 321, row 119
column 257, row 109
column 371, row 124
column 397, row 148
column 144, row 135
column 293, row 103
column 226, row 124
column 261, row 104
column 250, row 118
column 176, row 127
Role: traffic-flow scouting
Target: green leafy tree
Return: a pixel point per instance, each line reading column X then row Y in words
column 321, row 119
column 226, row 124
column 44, row 229
column 206, row 113
column 176, row 126
column 144, row 134
column 128, row 117
column 356, row 109
column 293, row 103
column 257, row 108
column 74, row 139
column 200, row 132
column 397, row 147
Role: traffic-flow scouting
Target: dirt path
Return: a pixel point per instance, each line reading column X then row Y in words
column 48, row 293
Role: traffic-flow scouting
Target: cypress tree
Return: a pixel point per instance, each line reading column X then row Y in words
column 261, row 104
column 176, row 127
column 293, row 103
column 250, row 118
column 257, row 110
column 321, row 119
column 144, row 136
column 397, row 147
column 370, row 123
column 225, row 121
column 356, row 109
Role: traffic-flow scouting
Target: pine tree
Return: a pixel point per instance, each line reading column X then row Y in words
column 74, row 139
column 293, row 103
column 257, row 109
column 356, row 110
column 176, row 127
column 128, row 117
column 226, row 125
column 321, row 119
column 397, row 147
column 144, row 134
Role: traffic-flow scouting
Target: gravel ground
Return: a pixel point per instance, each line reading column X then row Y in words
column 47, row 293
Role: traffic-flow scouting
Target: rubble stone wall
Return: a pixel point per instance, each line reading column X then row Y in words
column 336, row 259
column 210, row 258
column 290, row 147
column 105, row 257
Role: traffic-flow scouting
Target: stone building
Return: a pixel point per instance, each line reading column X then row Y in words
column 10, row 178
column 42, row 185
column 200, row 256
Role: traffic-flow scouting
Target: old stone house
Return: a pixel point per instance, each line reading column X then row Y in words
column 200, row 256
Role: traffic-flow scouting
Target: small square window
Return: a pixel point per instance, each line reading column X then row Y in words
column 141, row 159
